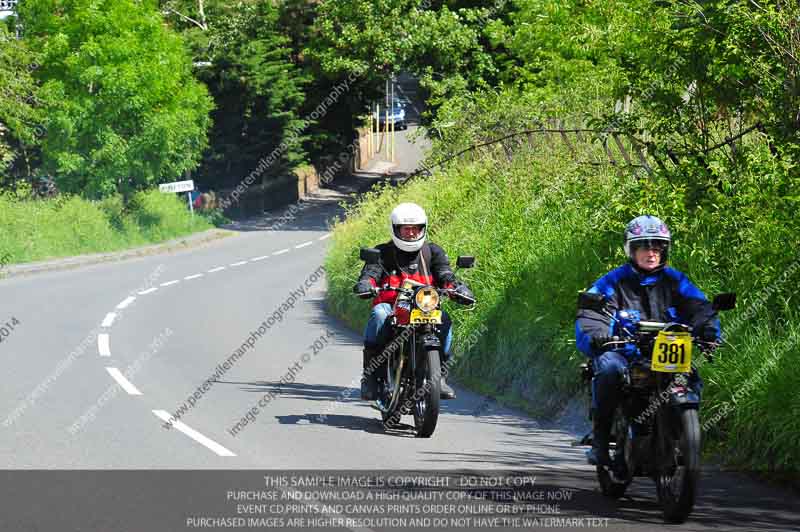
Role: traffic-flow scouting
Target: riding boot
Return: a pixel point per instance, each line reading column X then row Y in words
column 445, row 390
column 601, row 429
column 369, row 382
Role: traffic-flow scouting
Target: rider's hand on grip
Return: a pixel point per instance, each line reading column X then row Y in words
column 464, row 295
column 364, row 289
column 708, row 333
column 598, row 342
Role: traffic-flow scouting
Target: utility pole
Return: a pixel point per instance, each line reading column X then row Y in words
column 386, row 123
column 369, row 135
column 393, row 117
column 377, row 127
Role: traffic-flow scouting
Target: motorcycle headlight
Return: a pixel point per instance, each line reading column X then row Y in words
column 427, row 299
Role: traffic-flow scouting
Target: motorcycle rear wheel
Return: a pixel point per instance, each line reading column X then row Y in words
column 427, row 394
column 677, row 487
column 391, row 392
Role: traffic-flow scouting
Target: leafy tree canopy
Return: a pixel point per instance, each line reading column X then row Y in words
column 126, row 112
column 20, row 107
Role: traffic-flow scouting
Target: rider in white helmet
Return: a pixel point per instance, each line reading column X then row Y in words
column 645, row 287
column 408, row 223
column 408, row 255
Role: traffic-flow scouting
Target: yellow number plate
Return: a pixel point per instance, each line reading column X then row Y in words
column 417, row 316
column 672, row 352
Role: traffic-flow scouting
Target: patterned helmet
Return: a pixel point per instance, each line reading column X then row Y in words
column 647, row 231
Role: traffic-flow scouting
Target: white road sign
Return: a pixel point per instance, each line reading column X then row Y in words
column 177, row 186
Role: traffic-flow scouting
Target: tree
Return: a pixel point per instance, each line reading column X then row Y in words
column 125, row 111
column 445, row 48
column 257, row 87
column 20, row 106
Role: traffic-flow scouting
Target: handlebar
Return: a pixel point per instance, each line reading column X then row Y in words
column 704, row 345
column 449, row 292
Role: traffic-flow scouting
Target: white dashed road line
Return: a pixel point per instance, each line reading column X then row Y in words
column 102, row 345
column 125, row 302
column 109, row 319
column 122, row 381
column 193, row 434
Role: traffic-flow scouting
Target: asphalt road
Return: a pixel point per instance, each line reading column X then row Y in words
column 99, row 358
column 410, row 147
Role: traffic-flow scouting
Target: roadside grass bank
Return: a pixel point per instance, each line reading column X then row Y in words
column 32, row 230
column 543, row 228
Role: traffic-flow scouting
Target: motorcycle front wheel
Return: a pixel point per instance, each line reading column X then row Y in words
column 677, row 484
column 426, row 394
column 612, row 485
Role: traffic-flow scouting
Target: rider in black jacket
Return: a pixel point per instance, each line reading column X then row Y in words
column 647, row 286
column 406, row 256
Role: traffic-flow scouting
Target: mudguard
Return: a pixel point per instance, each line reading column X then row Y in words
column 430, row 341
column 686, row 398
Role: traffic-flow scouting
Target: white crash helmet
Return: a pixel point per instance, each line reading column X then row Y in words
column 645, row 231
column 408, row 214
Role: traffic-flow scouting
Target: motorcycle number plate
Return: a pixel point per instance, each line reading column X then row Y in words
column 417, row 316
column 672, row 352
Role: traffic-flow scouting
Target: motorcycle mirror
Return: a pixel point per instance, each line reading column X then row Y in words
column 591, row 301
column 370, row 255
column 726, row 301
column 465, row 261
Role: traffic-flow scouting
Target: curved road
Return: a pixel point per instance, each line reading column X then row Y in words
column 100, row 360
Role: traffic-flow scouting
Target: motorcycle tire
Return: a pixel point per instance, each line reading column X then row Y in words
column 685, row 440
column 611, row 487
column 426, row 405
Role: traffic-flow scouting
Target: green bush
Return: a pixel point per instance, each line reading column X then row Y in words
column 32, row 230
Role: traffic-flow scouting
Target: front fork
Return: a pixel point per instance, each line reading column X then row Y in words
column 680, row 396
column 428, row 341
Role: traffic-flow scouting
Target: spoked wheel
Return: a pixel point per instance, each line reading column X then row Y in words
column 677, row 481
column 390, row 391
column 390, row 417
column 614, row 481
column 426, row 395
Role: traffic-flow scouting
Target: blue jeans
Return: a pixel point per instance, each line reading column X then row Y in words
column 609, row 369
column 377, row 335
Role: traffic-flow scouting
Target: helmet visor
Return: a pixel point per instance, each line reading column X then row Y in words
column 650, row 243
column 409, row 232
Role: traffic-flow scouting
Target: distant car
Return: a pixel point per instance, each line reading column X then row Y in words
column 397, row 114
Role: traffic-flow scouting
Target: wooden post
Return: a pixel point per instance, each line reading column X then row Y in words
column 622, row 148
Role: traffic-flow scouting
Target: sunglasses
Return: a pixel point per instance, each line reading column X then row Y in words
column 653, row 245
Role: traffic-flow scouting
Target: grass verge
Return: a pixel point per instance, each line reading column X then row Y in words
column 543, row 228
column 68, row 225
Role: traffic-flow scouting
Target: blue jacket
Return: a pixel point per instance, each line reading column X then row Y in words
column 666, row 295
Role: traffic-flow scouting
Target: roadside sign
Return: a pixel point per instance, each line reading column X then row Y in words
column 177, row 186
column 180, row 186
